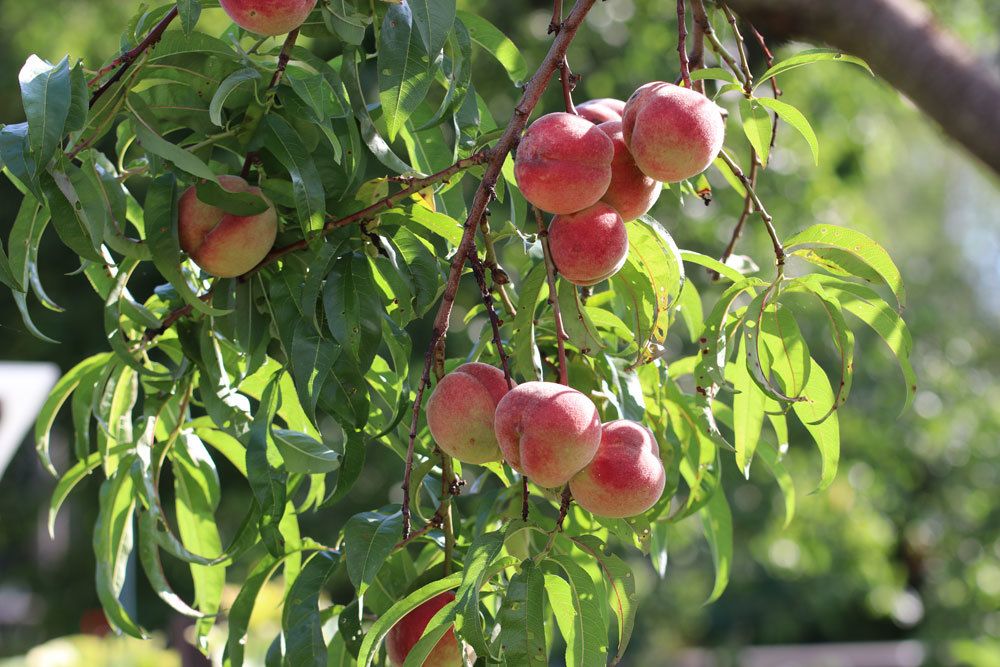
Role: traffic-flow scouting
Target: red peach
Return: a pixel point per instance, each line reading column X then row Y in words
column 626, row 477
column 268, row 17
column 588, row 246
column 563, row 163
column 601, row 110
column 673, row 132
column 547, row 431
column 221, row 243
column 460, row 412
column 407, row 632
column 632, row 193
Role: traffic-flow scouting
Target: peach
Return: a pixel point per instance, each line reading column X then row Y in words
column 221, row 243
column 547, row 431
column 460, row 412
column 407, row 632
column 588, row 246
column 626, row 477
column 632, row 193
column 673, row 132
column 601, row 110
column 268, row 17
column 563, row 163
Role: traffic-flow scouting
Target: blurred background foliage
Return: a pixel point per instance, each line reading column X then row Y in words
column 906, row 543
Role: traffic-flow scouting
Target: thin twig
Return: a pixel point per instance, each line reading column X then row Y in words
column 495, row 323
column 568, row 80
column 741, row 48
column 747, row 210
column 779, row 250
column 681, row 46
column 173, row 317
column 444, row 508
column 125, row 60
column 500, row 277
column 564, row 503
column 484, row 195
column 284, row 56
column 524, row 498
column 722, row 52
column 556, row 21
column 550, row 274
column 769, row 58
column 696, row 56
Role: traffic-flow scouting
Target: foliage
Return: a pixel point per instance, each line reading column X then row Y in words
column 294, row 372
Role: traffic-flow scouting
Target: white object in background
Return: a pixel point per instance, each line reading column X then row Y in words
column 23, row 390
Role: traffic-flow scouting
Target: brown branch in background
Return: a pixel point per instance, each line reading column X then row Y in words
column 480, row 274
column 499, row 276
column 125, row 60
column 696, row 56
column 569, row 81
column 484, row 195
column 779, row 250
column 556, row 21
column 747, row 210
column 681, row 46
column 415, row 185
column 550, row 274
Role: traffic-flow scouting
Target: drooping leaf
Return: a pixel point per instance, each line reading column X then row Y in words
column 369, row 538
column 307, row 184
column 521, row 618
column 404, row 67
column 620, row 583
column 757, row 127
column 303, row 453
column 496, row 44
column 807, row 57
column 717, row 522
column 796, row 119
column 301, row 624
column 588, row 645
column 46, row 94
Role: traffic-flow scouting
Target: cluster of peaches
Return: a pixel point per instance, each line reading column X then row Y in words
column 603, row 167
column 552, row 434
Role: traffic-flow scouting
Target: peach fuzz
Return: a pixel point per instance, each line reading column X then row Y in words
column 547, row 431
column 221, row 243
column 460, row 412
column 632, row 193
column 626, row 477
column 407, row 632
column 673, row 133
column 601, row 110
column 268, row 17
column 588, row 246
column 563, row 163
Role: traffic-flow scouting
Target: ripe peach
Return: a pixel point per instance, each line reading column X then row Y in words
column 626, row 477
column 268, row 17
column 601, row 110
column 673, row 132
column 547, row 431
column 588, row 246
column 407, row 632
column 221, row 243
column 632, row 193
column 460, row 412
column 563, row 163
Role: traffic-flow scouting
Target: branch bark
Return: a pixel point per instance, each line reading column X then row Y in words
column 905, row 45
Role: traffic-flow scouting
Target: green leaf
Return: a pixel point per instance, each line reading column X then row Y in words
column 77, row 473
column 825, row 431
column 404, row 68
column 796, row 119
column 655, row 256
column 369, row 538
column 582, row 332
column 772, row 458
column 434, row 20
column 75, row 228
column 46, row 93
column 436, row 628
column 714, row 73
column 757, row 127
column 376, row 144
column 265, row 470
column 239, row 613
column 753, row 336
column 307, row 184
column 580, row 612
column 152, row 566
column 238, row 203
column 226, row 88
column 441, row 224
column 353, row 308
column 16, row 159
column 345, row 21
column 717, row 522
column 526, row 358
column 301, row 624
column 189, row 12
column 303, row 453
column 811, row 56
column 496, row 44
column 25, row 236
column 161, row 235
column 860, row 246
column 79, row 106
column 522, row 617
column 748, row 411
column 47, row 414
column 183, row 159
column 112, row 546
column 730, row 176
column 620, row 583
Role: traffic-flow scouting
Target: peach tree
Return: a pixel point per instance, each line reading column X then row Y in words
column 308, row 216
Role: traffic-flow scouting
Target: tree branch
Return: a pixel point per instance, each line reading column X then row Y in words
column 779, row 250
column 125, row 60
column 905, row 45
column 681, row 45
column 484, row 195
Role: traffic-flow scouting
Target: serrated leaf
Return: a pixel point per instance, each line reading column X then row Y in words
column 77, row 473
column 301, row 624
column 655, row 256
column 857, row 244
column 757, row 127
column 717, row 522
column 434, row 20
column 435, row 630
column 353, row 309
column 714, row 73
column 526, row 358
column 496, row 44
column 189, row 12
column 303, row 453
column 748, row 411
column 587, row 643
column 807, row 57
column 376, row 144
column 75, row 228
column 369, row 538
column 620, row 583
column 46, row 94
column 772, row 458
column 753, row 336
column 404, row 67
column 307, row 184
column 239, row 613
column 521, row 618
column 796, row 119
